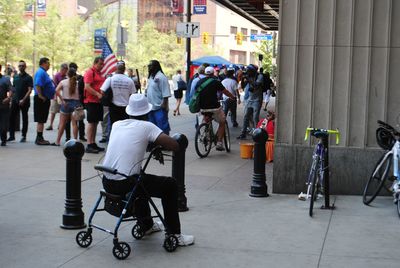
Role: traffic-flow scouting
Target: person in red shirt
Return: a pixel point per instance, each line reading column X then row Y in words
column 93, row 81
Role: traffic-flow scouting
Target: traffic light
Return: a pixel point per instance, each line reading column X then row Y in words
column 179, row 40
column 239, row 38
column 204, row 38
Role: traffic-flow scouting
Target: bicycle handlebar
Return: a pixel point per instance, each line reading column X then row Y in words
column 328, row 131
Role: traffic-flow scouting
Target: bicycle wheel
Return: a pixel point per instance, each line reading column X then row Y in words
column 203, row 142
column 227, row 138
column 314, row 182
column 377, row 179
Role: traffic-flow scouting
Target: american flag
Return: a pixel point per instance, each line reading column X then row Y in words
column 110, row 61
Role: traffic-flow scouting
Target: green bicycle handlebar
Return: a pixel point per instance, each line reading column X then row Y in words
column 329, row 131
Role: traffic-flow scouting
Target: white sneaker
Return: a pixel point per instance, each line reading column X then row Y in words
column 185, row 240
column 219, row 146
column 157, row 226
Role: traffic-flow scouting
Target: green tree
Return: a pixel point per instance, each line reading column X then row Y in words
column 11, row 22
column 152, row 44
column 266, row 49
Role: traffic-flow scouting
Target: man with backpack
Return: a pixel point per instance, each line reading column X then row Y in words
column 206, row 96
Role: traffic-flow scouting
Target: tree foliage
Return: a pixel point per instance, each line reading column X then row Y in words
column 11, row 31
column 266, row 48
column 154, row 45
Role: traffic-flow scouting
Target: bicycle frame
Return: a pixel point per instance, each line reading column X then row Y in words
column 395, row 152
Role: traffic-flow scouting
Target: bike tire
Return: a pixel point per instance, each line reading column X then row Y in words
column 227, row 138
column 398, row 204
column 315, row 166
column 376, row 181
column 203, row 140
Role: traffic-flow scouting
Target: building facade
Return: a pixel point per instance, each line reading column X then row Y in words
column 339, row 67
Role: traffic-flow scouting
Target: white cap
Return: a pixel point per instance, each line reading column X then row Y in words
column 138, row 105
column 209, row 70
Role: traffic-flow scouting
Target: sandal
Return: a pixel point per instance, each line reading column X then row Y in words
column 54, row 144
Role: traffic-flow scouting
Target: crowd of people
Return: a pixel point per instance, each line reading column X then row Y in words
column 131, row 120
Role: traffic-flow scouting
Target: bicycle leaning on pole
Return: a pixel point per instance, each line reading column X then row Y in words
column 388, row 138
column 319, row 168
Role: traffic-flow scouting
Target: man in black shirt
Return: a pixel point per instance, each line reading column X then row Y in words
column 5, row 98
column 23, row 84
column 209, row 102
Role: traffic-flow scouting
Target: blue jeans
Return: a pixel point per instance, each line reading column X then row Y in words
column 251, row 112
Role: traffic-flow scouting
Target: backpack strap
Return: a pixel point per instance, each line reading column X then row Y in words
column 204, row 84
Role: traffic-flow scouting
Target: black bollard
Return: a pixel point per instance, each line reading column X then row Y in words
column 259, row 187
column 73, row 217
column 178, row 170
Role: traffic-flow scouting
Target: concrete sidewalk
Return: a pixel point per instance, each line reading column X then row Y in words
column 231, row 228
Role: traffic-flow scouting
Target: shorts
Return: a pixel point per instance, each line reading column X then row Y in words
column 217, row 114
column 94, row 112
column 160, row 119
column 40, row 109
column 178, row 94
column 54, row 106
column 69, row 106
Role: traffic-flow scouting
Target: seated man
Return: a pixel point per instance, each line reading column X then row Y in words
column 126, row 149
column 209, row 101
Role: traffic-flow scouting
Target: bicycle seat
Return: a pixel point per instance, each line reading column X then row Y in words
column 319, row 134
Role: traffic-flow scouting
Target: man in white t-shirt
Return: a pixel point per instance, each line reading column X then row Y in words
column 231, row 85
column 125, row 152
column 122, row 87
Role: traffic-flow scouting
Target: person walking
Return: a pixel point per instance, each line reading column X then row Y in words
column 231, row 85
column 122, row 88
column 93, row 81
column 54, row 105
column 44, row 92
column 5, row 100
column 158, row 92
column 23, row 84
column 179, row 87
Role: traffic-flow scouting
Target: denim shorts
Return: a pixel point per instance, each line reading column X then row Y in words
column 69, row 106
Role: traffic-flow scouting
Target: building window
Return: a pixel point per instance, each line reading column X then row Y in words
column 237, row 56
column 244, row 32
column 254, row 32
column 234, row 30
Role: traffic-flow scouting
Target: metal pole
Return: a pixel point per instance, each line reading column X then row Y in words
column 327, row 205
column 188, row 40
column 259, row 187
column 34, row 34
column 73, row 217
column 178, row 170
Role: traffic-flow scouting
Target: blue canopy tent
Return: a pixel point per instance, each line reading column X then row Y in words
column 212, row 60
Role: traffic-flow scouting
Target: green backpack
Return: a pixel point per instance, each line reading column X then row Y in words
column 194, row 103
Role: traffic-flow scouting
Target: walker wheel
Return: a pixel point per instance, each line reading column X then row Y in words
column 170, row 243
column 84, row 239
column 121, row 250
column 137, row 232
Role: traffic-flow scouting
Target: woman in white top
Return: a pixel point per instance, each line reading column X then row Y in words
column 67, row 91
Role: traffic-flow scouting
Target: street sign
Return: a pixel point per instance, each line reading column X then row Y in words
column 188, row 29
column 121, row 50
column 199, row 7
column 255, row 37
column 99, row 35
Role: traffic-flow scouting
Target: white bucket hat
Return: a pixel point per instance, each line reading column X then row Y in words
column 138, row 105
